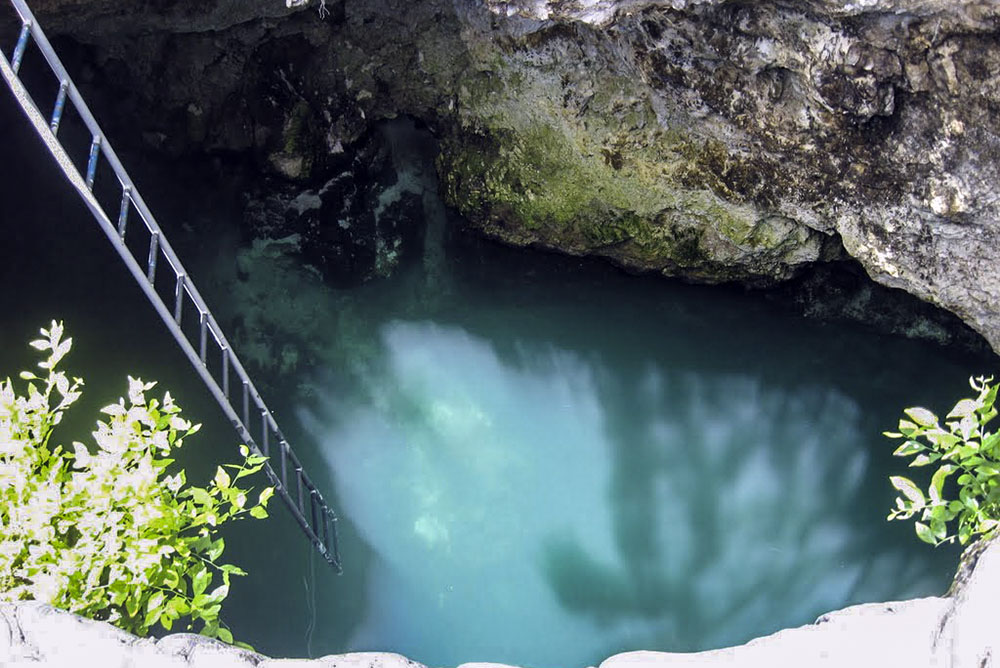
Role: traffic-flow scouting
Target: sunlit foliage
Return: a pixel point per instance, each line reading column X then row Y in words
column 970, row 507
column 111, row 530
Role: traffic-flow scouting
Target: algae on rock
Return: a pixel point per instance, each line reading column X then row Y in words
column 583, row 165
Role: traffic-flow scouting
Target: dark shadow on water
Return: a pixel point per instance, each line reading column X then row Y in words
column 56, row 263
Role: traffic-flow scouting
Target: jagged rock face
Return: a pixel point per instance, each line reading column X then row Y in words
column 708, row 139
column 752, row 131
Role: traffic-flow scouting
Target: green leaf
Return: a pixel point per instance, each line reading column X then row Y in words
column 216, row 549
column 939, row 530
column 258, row 512
column 921, row 416
column 200, row 580
column 152, row 617
column 219, row 593
column 222, row 479
column 155, row 601
column 248, row 470
column 225, row 635
column 909, row 490
column 234, row 570
column 171, row 579
column 265, row 496
column 200, row 496
column 925, row 458
column 924, row 533
column 963, row 408
column 942, row 440
column 179, row 606
column 908, row 448
column 938, row 480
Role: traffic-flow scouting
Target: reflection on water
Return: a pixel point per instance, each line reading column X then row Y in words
column 537, row 461
column 547, row 511
column 547, row 462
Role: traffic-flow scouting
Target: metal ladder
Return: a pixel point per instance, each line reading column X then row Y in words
column 206, row 347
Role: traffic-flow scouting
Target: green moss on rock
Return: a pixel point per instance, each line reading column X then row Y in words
column 607, row 180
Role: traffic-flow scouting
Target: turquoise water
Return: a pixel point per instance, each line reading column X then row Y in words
column 547, row 472
column 538, row 460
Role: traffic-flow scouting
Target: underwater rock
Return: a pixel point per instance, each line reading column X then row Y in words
column 359, row 223
column 954, row 631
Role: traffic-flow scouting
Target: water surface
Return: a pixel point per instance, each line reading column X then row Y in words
column 539, row 460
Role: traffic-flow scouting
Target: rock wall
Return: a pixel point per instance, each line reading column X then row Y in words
column 718, row 140
column 713, row 140
column 955, row 631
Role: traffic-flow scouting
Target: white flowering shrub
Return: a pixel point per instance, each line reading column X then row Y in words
column 108, row 531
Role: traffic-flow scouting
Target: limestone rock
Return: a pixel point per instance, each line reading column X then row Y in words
column 713, row 140
column 36, row 635
column 861, row 123
column 954, row 631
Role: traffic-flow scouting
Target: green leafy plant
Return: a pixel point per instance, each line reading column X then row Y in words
column 108, row 531
column 962, row 446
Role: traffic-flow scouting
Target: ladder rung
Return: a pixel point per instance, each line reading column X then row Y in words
column 203, row 336
column 123, row 211
column 22, row 44
column 265, row 448
column 312, row 511
column 326, row 528
column 95, row 151
column 334, row 543
column 246, row 405
column 225, row 371
column 298, row 480
column 284, row 463
column 179, row 299
column 154, row 247
column 57, row 111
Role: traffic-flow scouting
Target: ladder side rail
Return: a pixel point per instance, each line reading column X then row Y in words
column 291, row 454
column 220, row 340
column 126, row 182
column 324, row 544
column 72, row 174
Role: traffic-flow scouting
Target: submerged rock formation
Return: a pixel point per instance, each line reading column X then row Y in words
column 713, row 140
column 954, row 631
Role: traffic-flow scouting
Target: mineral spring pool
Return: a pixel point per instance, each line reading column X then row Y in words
column 538, row 461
